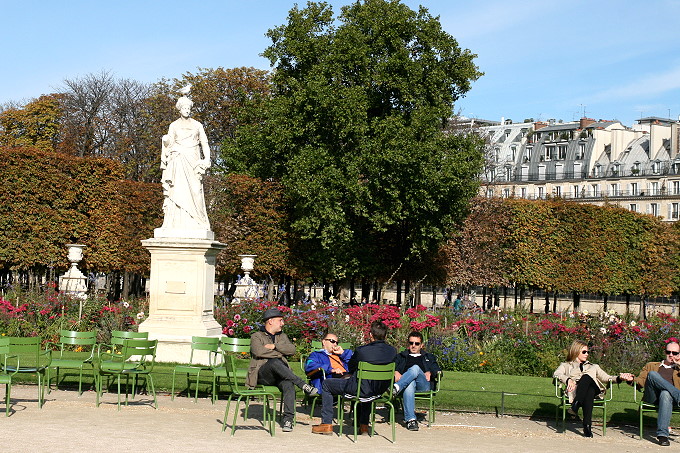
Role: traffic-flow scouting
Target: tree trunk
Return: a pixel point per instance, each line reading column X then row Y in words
column 398, row 301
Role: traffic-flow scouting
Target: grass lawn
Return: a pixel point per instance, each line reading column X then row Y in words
column 476, row 392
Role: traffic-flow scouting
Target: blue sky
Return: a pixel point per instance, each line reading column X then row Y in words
column 541, row 59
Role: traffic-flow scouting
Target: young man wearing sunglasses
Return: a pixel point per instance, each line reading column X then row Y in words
column 661, row 381
column 330, row 362
column 415, row 371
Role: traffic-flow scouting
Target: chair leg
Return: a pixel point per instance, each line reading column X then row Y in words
column 8, row 389
column 604, row 419
column 198, row 375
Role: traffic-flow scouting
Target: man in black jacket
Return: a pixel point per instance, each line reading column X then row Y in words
column 415, row 371
column 377, row 353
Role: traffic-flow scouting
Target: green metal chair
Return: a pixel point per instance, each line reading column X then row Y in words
column 32, row 359
column 136, row 358
column 368, row 371
column 74, row 351
column 237, row 390
column 428, row 396
column 647, row 407
column 564, row 404
column 119, row 336
column 234, row 346
column 208, row 344
column 11, row 362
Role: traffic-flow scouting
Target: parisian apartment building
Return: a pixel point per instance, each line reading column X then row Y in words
column 587, row 161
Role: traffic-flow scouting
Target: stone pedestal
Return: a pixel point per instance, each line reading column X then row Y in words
column 181, row 294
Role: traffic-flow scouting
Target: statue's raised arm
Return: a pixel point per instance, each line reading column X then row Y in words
column 185, row 157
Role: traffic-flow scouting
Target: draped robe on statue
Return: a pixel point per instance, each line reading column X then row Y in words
column 183, row 169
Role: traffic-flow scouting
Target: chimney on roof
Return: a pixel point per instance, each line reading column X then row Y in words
column 539, row 125
column 585, row 122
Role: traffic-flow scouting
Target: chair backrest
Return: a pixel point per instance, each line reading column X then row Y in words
column 143, row 351
column 28, row 349
column 209, row 344
column 119, row 336
column 369, row 371
column 229, row 344
column 6, row 358
column 232, row 373
column 73, row 337
column 316, row 344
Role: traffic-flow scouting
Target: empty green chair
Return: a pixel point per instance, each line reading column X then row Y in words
column 32, row 359
column 7, row 361
column 136, row 358
column 210, row 346
column 74, row 351
column 229, row 345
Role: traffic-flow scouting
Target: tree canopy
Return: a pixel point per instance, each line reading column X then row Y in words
column 354, row 132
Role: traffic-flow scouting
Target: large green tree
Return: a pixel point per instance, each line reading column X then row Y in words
column 354, row 132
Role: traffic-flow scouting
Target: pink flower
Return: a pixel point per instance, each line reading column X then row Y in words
column 247, row 329
column 237, row 317
column 230, row 332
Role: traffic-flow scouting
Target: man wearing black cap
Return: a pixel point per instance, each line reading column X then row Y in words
column 268, row 365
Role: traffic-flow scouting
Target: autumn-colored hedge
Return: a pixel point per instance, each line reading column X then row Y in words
column 49, row 199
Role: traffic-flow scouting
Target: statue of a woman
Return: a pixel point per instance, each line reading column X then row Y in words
column 184, row 160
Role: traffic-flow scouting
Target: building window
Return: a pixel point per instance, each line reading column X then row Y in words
column 634, row 189
column 524, row 133
column 524, row 192
column 492, row 174
column 675, row 211
column 635, row 169
column 676, row 187
column 596, row 190
column 633, row 207
column 541, row 192
column 496, row 154
column 527, row 153
column 549, row 152
column 558, row 191
column 562, row 152
column 614, row 190
column 654, row 188
column 598, row 171
column 576, row 193
column 507, row 133
column 489, row 192
column 506, row 193
column 514, row 153
column 654, row 209
column 508, row 173
column 655, row 167
column 581, row 151
column 615, row 170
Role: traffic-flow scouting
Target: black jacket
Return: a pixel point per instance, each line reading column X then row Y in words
column 429, row 362
column 377, row 353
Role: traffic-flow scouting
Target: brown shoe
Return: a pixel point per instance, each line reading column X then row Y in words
column 363, row 429
column 324, row 428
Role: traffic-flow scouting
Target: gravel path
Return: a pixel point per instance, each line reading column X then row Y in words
column 68, row 423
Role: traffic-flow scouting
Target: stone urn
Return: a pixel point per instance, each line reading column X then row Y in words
column 247, row 265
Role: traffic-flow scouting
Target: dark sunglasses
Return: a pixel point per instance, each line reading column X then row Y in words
column 332, row 341
column 672, row 352
column 416, row 343
column 585, row 352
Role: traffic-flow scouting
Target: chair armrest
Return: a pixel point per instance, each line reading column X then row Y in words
column 314, row 371
column 559, row 388
column 14, row 367
column 48, row 357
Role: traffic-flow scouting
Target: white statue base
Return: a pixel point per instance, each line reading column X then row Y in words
column 73, row 282
column 181, row 294
column 247, row 291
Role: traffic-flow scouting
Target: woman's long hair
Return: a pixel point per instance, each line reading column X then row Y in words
column 575, row 349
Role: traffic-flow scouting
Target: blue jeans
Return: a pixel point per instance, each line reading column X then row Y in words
column 413, row 380
column 665, row 395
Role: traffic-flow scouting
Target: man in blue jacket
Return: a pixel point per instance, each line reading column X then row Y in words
column 415, row 371
column 330, row 362
column 378, row 353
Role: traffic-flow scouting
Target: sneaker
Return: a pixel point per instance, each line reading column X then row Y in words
column 287, row 426
column 663, row 441
column 412, row 425
column 396, row 388
column 310, row 390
